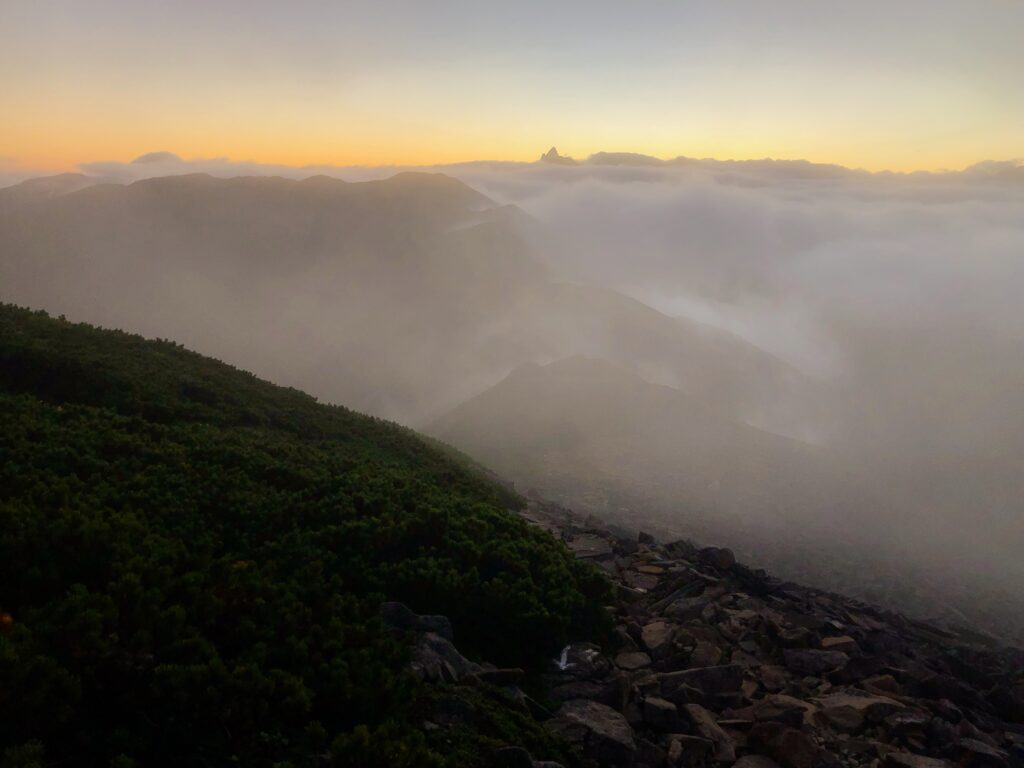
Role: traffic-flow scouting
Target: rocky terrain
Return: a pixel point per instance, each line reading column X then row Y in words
column 714, row 663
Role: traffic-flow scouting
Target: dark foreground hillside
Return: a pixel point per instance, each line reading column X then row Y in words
column 193, row 562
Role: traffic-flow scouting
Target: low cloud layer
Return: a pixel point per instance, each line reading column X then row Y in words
column 693, row 236
column 774, row 250
column 764, row 251
column 897, row 294
column 806, row 260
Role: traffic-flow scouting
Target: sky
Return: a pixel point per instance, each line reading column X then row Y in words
column 916, row 84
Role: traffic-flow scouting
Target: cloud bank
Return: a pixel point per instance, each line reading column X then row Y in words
column 897, row 293
column 803, row 259
column 773, row 250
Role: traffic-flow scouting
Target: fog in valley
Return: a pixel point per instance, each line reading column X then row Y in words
column 822, row 368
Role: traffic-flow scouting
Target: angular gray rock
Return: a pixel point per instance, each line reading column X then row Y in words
column 399, row 616
column 601, row 733
column 707, row 727
column 436, row 659
column 805, row 661
column 661, row 715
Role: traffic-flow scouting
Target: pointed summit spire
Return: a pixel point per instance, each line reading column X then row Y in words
column 552, row 156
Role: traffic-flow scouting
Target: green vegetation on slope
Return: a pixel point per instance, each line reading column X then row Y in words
column 191, row 562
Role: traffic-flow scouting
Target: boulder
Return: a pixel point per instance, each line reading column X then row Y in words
column 649, row 753
column 843, row 643
column 583, row 660
column 772, row 677
column 947, row 710
column 749, row 689
column 974, row 752
column 857, row 668
column 632, row 660
column 849, row 713
column 657, row 637
column 909, row 760
column 680, row 548
column 842, row 719
column 400, row 617
column 610, row 691
column 907, row 721
column 949, row 687
column 940, row 736
column 755, row 761
column 512, row 757
column 719, row 558
column 782, row 709
column 590, row 546
column 804, row 661
column 794, row 637
column 707, row 727
column 652, row 570
column 641, row 581
column 684, row 694
column 969, row 730
column 686, row 751
column 687, row 608
column 661, row 715
column 598, row 731
column 623, row 638
column 628, row 594
column 710, row 680
column 883, row 685
column 790, row 747
column 705, row 654
column 435, row 658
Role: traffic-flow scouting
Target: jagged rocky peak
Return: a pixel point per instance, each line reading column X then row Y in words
column 552, row 156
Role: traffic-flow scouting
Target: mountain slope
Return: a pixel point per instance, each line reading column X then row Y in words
column 716, row 368
column 400, row 297
column 595, row 425
column 317, row 283
column 600, row 438
column 191, row 561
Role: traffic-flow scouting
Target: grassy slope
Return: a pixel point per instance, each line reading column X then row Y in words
column 191, row 561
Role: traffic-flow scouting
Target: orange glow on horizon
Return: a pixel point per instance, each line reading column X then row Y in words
column 355, row 83
column 72, row 159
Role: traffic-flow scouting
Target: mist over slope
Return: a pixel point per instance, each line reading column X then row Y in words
column 596, row 437
column 318, row 283
column 401, row 297
column 869, row 325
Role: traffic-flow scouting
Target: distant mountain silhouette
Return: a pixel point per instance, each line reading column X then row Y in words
column 623, row 158
column 401, row 297
column 45, row 187
column 552, row 156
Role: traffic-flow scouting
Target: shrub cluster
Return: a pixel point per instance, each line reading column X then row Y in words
column 191, row 562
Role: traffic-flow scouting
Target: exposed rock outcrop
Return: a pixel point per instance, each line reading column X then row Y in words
column 715, row 664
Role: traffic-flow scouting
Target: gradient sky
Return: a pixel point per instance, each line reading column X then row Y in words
column 912, row 84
